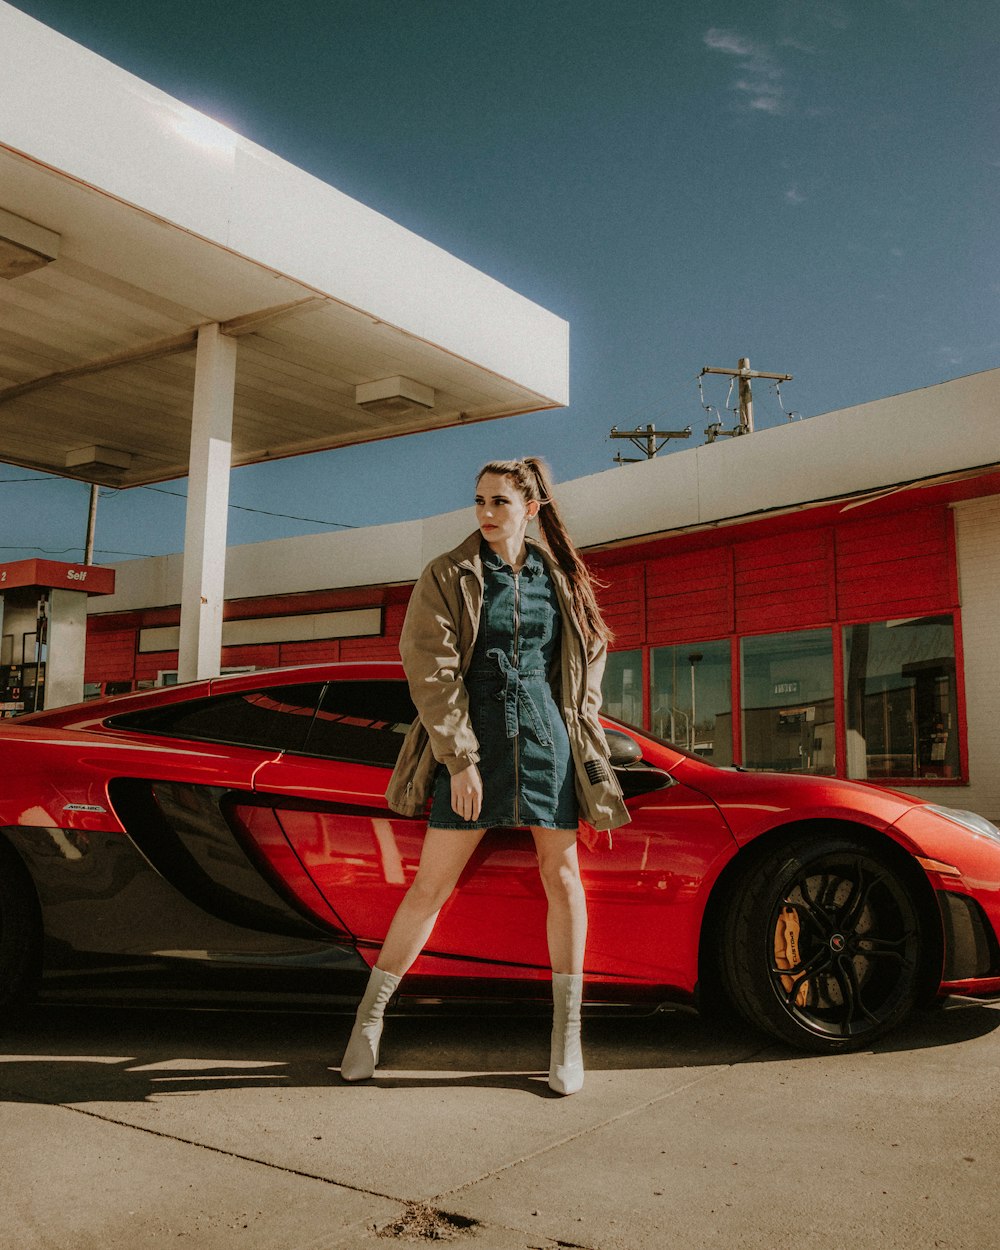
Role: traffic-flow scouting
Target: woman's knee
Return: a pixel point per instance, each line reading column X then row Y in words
column 560, row 878
column 429, row 894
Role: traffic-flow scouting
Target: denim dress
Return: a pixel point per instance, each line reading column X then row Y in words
column 525, row 759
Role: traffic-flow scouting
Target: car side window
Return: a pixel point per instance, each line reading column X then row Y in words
column 361, row 721
column 276, row 718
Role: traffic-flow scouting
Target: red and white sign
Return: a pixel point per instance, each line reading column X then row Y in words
column 92, row 579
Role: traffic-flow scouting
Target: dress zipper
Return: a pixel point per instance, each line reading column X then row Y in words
column 517, row 736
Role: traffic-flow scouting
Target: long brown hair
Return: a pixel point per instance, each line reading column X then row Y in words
column 532, row 478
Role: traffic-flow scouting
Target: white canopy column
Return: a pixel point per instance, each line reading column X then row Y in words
column 203, row 583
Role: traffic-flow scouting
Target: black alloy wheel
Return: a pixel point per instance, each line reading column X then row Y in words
column 825, row 943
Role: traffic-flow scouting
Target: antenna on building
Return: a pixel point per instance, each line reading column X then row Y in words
column 744, row 412
column 647, row 439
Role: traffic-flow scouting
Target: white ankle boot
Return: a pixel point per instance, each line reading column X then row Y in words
column 566, row 1064
column 361, row 1055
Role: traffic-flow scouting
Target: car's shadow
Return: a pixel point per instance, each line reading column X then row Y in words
column 98, row 1055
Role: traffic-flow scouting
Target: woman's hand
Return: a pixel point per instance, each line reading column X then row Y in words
column 467, row 793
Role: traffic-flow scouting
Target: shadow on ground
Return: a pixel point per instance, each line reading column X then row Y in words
column 83, row 1055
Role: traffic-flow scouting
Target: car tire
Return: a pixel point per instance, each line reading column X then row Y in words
column 825, row 942
column 20, row 939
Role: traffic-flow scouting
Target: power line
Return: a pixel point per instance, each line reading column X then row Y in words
column 285, row 516
column 160, row 490
column 62, row 551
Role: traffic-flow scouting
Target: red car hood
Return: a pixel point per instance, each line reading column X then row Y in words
column 754, row 802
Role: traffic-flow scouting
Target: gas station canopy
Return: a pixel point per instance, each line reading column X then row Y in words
column 129, row 221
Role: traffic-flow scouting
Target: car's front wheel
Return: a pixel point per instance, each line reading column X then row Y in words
column 824, row 942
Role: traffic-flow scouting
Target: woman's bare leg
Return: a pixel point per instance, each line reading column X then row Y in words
column 445, row 853
column 566, row 926
column 442, row 860
column 566, row 923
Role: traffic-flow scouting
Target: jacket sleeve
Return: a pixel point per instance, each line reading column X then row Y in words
column 428, row 647
column 597, row 657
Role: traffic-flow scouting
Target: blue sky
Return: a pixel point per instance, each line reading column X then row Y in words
column 811, row 184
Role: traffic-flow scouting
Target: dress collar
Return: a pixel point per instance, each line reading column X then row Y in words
column 531, row 566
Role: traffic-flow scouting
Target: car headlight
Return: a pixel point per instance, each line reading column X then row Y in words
column 968, row 820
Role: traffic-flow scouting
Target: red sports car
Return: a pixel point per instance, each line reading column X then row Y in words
column 227, row 841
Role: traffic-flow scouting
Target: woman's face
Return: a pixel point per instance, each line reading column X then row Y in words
column 502, row 512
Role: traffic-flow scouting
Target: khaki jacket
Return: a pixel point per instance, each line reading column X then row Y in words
column 436, row 644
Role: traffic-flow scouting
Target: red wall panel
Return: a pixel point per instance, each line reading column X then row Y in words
column 900, row 565
column 784, row 582
column 311, row 652
column 257, row 655
column 623, row 603
column 689, row 596
column 110, row 655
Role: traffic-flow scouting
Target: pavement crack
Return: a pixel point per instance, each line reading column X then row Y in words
column 219, row 1150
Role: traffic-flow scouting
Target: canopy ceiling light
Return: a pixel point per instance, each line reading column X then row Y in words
column 391, row 397
column 103, row 464
column 24, row 246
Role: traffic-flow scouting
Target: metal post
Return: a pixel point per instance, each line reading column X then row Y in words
column 203, row 583
column 693, row 659
column 746, row 396
column 88, row 550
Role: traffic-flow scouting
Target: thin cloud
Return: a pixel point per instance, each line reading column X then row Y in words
column 794, row 196
column 766, row 96
column 759, row 83
column 728, row 41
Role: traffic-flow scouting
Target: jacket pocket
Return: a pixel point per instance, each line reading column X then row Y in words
column 408, row 788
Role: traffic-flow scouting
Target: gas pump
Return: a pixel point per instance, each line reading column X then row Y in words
column 41, row 648
column 11, row 688
column 43, row 609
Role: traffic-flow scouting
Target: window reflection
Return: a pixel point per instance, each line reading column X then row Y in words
column 788, row 712
column 622, row 687
column 692, row 698
column 900, row 699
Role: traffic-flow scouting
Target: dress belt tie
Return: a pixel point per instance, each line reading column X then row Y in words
column 515, row 695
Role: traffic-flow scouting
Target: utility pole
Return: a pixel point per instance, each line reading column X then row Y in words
column 88, row 550
column 645, row 439
column 743, row 373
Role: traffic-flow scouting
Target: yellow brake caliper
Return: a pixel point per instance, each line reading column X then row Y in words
column 786, row 951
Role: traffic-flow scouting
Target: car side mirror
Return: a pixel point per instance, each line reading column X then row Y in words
column 623, row 749
column 634, row 776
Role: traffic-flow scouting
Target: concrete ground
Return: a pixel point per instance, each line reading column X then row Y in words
column 125, row 1130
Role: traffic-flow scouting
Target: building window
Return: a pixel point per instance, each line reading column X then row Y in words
column 692, row 702
column 622, row 687
column 788, row 704
column 901, row 710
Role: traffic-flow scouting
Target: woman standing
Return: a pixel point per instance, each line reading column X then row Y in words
column 504, row 650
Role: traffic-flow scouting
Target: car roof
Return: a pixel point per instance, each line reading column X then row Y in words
column 95, row 712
